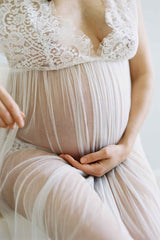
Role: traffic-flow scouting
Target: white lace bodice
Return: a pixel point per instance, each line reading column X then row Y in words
column 31, row 35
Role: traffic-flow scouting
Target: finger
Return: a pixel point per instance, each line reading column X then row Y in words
column 22, row 114
column 12, row 126
column 3, row 124
column 11, row 106
column 70, row 159
column 95, row 156
column 5, row 115
column 94, row 169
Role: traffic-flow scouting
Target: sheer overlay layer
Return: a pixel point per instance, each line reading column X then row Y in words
column 76, row 101
column 75, row 110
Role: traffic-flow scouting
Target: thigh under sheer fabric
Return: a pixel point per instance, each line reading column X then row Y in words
column 57, row 198
column 65, row 203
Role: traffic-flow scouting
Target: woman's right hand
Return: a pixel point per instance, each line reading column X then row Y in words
column 10, row 112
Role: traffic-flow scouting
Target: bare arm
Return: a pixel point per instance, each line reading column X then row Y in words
column 142, row 80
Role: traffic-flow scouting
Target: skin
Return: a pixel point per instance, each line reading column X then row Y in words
column 10, row 113
column 142, row 80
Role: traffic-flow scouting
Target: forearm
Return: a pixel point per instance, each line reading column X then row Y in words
column 141, row 98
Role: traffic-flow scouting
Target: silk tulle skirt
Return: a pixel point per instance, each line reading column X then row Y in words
column 42, row 196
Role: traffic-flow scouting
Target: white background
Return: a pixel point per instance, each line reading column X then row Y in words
column 150, row 131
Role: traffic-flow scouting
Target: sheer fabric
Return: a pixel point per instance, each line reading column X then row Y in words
column 76, row 100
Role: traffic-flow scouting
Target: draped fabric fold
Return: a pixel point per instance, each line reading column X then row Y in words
column 76, row 110
column 76, row 101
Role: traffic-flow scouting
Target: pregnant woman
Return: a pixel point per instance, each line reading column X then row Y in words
column 79, row 87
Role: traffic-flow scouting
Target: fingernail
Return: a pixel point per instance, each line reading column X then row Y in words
column 83, row 160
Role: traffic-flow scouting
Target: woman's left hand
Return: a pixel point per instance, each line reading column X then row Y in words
column 100, row 162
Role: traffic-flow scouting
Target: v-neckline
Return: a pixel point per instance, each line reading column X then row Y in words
column 96, row 52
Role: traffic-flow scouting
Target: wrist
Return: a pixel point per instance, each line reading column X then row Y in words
column 128, row 139
column 127, row 144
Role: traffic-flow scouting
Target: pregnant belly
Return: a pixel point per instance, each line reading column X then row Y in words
column 78, row 110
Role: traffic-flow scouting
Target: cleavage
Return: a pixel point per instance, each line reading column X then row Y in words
column 87, row 16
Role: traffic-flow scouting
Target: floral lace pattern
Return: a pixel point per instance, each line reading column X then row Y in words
column 18, row 144
column 31, row 34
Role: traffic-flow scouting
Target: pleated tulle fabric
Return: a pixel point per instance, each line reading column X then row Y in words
column 75, row 110
column 76, row 100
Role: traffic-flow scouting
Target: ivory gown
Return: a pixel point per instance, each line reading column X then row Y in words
column 76, row 100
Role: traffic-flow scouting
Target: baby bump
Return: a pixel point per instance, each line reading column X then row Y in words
column 80, row 109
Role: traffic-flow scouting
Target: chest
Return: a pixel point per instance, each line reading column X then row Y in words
column 37, row 34
column 88, row 16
